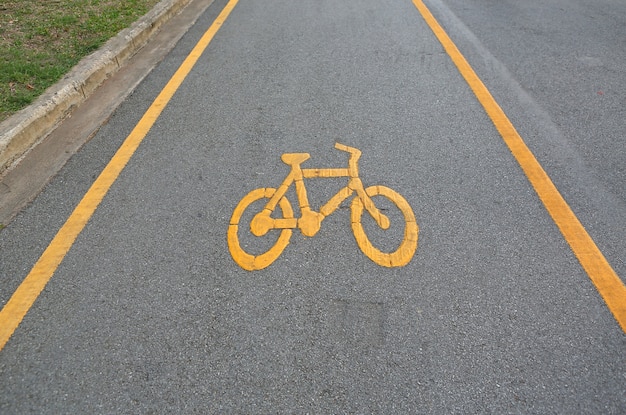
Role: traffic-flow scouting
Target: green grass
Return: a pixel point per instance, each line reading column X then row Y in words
column 40, row 41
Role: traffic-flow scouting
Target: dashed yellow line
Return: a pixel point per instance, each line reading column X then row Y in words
column 28, row 291
column 607, row 282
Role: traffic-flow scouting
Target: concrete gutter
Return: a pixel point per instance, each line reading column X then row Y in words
column 25, row 129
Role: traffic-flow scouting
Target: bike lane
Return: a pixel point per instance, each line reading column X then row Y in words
column 149, row 311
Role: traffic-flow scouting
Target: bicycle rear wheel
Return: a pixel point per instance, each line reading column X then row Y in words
column 248, row 261
column 403, row 254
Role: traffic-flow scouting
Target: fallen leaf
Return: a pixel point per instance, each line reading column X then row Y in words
column 29, row 86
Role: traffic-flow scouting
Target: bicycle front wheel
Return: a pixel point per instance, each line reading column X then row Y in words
column 403, row 254
column 248, row 261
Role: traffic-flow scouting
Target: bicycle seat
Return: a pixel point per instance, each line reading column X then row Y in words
column 294, row 158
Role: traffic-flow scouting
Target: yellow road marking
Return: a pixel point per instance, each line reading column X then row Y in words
column 607, row 282
column 28, row 291
column 310, row 221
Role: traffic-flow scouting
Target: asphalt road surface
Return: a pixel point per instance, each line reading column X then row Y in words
column 148, row 312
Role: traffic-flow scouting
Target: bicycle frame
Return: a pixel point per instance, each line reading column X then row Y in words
column 310, row 221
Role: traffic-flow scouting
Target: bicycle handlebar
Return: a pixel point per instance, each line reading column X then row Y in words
column 347, row 149
column 355, row 153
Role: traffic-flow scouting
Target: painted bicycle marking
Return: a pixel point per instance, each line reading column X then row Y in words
column 310, row 221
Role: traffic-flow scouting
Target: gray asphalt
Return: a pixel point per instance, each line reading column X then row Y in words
column 558, row 68
column 148, row 313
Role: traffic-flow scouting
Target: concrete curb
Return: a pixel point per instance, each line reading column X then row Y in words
column 26, row 128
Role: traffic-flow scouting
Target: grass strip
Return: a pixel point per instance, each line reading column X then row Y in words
column 40, row 41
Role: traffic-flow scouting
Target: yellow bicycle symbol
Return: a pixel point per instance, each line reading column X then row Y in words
column 310, row 221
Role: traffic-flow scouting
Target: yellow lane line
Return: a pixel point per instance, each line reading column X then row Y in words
column 28, row 291
column 607, row 282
